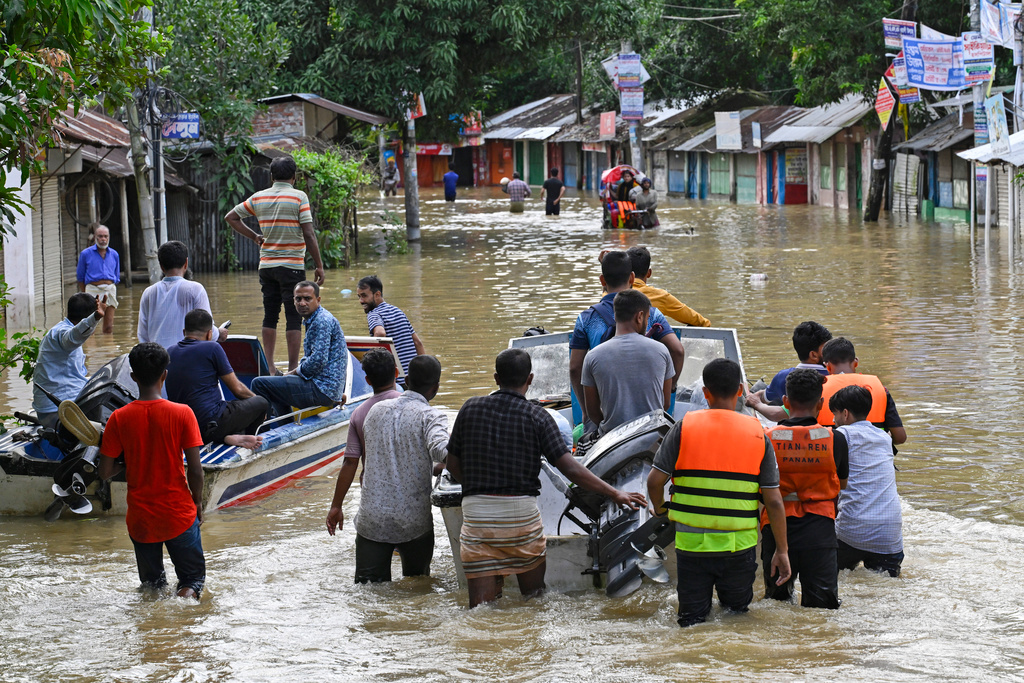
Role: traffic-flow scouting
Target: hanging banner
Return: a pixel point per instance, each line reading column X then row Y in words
column 727, row 130
column 434, row 149
column 895, row 29
column 417, row 107
column 631, row 103
column 935, row 64
column 997, row 20
column 979, row 59
column 931, row 34
column 607, row 129
column 629, row 70
column 884, row 103
column 998, row 132
column 897, row 75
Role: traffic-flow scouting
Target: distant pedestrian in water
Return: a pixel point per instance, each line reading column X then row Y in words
column 646, row 199
column 554, row 189
column 99, row 271
column 385, row 320
column 286, row 234
column 451, row 179
column 60, row 364
column 517, row 192
column 389, row 178
column 165, row 501
column 495, row 452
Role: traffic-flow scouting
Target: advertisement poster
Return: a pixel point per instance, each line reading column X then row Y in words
column 607, row 129
column 629, row 70
column 935, row 64
column 727, row 130
column 631, row 103
column 182, row 127
column 796, row 166
column 897, row 75
column 979, row 59
column 434, row 149
column 417, row 108
column 884, row 103
column 998, row 132
column 895, row 29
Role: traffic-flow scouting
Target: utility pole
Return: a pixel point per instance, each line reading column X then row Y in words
column 880, row 164
column 579, row 112
column 980, row 132
column 635, row 154
column 412, row 190
column 142, row 185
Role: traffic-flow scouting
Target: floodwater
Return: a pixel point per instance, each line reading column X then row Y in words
column 940, row 323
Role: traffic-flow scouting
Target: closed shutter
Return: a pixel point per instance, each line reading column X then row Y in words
column 659, row 164
column 570, row 173
column 720, row 174
column 677, row 172
column 904, row 184
column 1003, row 191
column 46, row 248
column 961, row 183
column 746, row 179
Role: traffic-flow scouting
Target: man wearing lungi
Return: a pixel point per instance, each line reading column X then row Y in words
column 495, row 451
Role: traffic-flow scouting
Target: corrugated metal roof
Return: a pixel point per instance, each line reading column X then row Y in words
column 341, row 109
column 941, row 135
column 555, row 112
column 967, row 97
column 984, row 153
column 93, row 128
column 540, row 133
column 820, row 123
column 504, row 133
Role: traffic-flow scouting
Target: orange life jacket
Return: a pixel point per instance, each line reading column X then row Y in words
column 807, row 470
column 833, row 383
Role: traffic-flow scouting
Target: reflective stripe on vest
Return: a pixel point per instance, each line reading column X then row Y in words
column 807, row 470
column 715, row 482
column 833, row 383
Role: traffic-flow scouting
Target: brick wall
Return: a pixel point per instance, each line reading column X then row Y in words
column 280, row 119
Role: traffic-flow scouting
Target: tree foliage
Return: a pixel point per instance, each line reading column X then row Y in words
column 56, row 54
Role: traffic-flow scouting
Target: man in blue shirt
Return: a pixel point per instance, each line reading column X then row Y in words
column 809, row 338
column 99, row 272
column 319, row 379
column 450, row 179
column 597, row 324
column 385, row 320
column 60, row 366
column 198, row 365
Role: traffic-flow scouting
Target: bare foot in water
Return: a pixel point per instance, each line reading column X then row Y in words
column 253, row 443
column 187, row 593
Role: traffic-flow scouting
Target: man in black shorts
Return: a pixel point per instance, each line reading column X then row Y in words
column 551, row 192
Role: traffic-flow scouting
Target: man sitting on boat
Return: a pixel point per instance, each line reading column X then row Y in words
column 198, row 365
column 495, row 452
column 319, row 379
column 672, row 307
column 614, row 397
column 60, row 365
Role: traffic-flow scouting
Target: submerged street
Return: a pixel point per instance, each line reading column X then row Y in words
column 938, row 322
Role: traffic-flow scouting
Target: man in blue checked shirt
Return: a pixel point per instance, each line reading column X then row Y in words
column 319, row 379
column 99, row 272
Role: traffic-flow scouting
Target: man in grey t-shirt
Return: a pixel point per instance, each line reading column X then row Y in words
column 628, row 375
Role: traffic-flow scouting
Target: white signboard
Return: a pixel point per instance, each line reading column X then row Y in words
column 727, row 130
column 755, row 130
column 998, row 132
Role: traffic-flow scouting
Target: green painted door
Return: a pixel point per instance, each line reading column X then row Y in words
column 746, row 179
column 520, row 153
column 536, row 163
column 720, row 174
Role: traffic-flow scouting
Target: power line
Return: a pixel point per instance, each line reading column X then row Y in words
column 701, row 19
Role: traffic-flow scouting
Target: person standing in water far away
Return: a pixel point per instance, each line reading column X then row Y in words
column 99, row 272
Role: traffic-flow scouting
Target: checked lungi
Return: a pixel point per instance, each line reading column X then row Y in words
column 501, row 535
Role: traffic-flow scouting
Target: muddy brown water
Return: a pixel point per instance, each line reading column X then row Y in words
column 939, row 322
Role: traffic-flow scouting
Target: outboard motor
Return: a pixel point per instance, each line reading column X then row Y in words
column 110, row 388
column 625, row 543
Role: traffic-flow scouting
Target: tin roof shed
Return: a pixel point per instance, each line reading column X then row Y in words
column 820, row 123
column 940, row 135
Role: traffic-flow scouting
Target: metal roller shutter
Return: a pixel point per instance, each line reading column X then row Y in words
column 46, row 248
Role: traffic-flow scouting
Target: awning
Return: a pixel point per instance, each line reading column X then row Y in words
column 815, row 134
column 1015, row 157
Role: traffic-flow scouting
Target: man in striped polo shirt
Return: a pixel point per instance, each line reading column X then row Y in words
column 286, row 233
column 385, row 320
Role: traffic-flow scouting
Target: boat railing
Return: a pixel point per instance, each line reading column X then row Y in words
column 286, row 416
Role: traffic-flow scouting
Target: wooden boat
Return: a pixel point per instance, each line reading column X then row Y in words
column 37, row 463
column 590, row 542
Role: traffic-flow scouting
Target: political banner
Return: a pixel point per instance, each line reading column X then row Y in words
column 631, row 103
column 998, row 132
column 884, row 103
column 607, row 129
column 979, row 59
column 727, row 130
column 928, row 33
column 897, row 75
column 997, row 20
column 182, row 127
column 895, row 29
column 935, row 64
column 629, row 70
column 417, row 107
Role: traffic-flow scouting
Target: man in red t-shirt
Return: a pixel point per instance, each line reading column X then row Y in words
column 165, row 503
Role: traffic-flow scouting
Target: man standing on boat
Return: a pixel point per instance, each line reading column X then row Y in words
column 286, row 234
column 385, row 320
column 495, row 451
column 60, row 365
column 99, row 271
column 597, row 324
column 319, row 379
column 404, row 438
column 614, row 397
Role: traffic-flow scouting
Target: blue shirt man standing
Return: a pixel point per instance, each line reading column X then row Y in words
column 60, row 367
column 450, row 180
column 319, row 379
column 99, row 272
